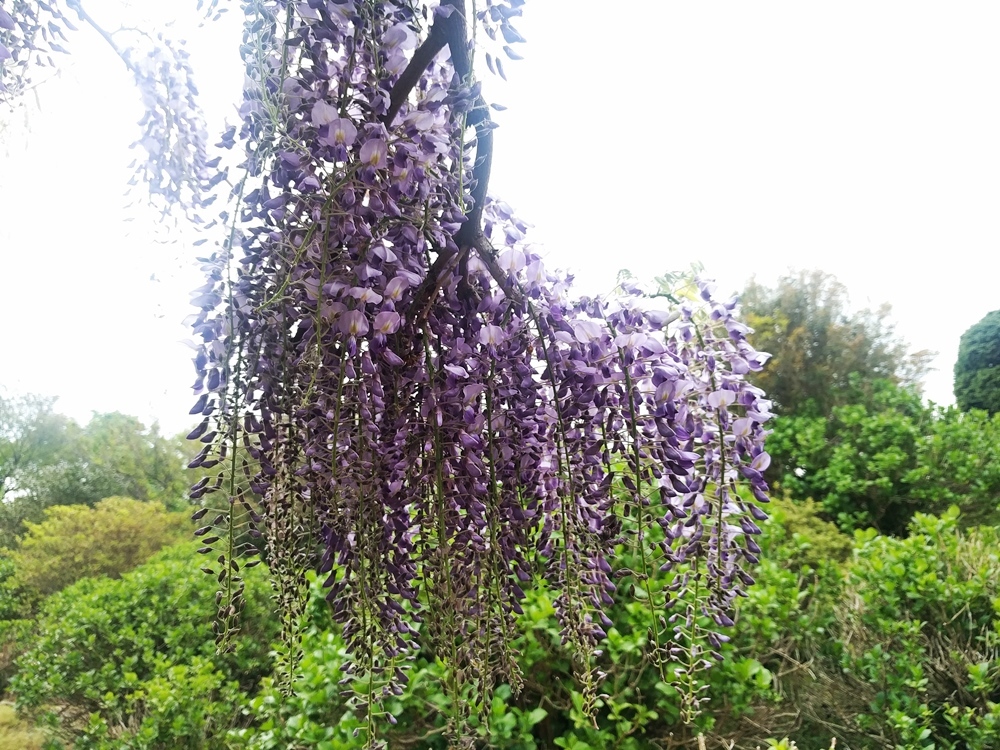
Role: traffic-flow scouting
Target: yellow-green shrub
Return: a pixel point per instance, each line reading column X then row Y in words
column 75, row 541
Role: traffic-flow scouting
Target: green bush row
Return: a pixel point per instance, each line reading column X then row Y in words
column 877, row 462
column 879, row 642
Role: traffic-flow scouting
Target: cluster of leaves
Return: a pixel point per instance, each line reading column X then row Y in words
column 76, row 541
column 128, row 664
column 921, row 637
column 47, row 459
column 133, row 660
column 877, row 462
column 31, row 435
column 977, row 370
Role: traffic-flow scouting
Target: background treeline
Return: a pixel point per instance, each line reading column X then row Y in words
column 875, row 618
column 47, row 459
column 853, row 432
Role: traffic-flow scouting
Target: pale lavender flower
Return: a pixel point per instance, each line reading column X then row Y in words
column 373, row 153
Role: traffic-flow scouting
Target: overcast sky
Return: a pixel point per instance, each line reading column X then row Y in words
column 860, row 138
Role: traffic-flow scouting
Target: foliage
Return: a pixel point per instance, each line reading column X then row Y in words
column 977, row 370
column 16, row 606
column 877, row 464
column 921, row 637
column 958, row 463
column 109, row 650
column 797, row 537
column 16, row 734
column 60, row 463
column 114, row 451
column 182, row 707
column 805, row 322
column 788, row 611
column 31, row 434
column 13, row 603
column 75, row 542
column 901, row 654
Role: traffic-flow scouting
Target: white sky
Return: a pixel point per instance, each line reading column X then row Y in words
column 856, row 137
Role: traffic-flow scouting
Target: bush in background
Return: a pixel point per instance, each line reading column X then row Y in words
column 76, row 541
column 919, row 644
column 134, row 660
column 977, row 370
column 876, row 464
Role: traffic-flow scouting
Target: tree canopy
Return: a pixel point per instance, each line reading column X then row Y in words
column 31, row 434
column 818, row 342
column 48, row 459
column 75, row 541
column 977, row 370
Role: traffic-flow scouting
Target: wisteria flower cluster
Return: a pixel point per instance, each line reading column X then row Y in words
column 419, row 406
column 175, row 167
column 30, row 33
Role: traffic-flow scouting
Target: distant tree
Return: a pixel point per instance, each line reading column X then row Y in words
column 977, row 371
column 47, row 459
column 31, row 434
column 817, row 342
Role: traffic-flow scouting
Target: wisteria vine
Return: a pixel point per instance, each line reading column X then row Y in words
column 175, row 170
column 434, row 420
column 395, row 391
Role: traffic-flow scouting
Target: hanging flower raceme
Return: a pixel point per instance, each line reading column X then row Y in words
column 175, row 168
column 423, row 412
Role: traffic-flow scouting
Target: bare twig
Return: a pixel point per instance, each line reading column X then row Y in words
column 107, row 35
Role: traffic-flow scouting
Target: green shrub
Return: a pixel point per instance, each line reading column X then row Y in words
column 958, row 463
column 182, row 707
column 15, row 625
column 76, row 541
column 788, row 611
column 877, row 463
column 919, row 630
column 106, row 649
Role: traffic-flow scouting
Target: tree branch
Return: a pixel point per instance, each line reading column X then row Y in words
column 423, row 56
column 107, row 35
column 488, row 255
column 450, row 30
column 446, row 30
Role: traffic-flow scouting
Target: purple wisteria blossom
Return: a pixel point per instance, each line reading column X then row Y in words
column 373, row 153
column 175, row 169
column 409, row 389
